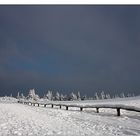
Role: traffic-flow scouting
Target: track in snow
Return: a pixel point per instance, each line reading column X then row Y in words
column 18, row 119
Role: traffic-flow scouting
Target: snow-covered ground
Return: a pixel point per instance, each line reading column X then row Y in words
column 8, row 99
column 19, row 119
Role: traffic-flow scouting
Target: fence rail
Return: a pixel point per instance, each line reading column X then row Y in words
column 118, row 107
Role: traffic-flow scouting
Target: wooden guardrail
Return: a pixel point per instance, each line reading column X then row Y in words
column 118, row 107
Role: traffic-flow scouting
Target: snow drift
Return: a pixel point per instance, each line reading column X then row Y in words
column 19, row 119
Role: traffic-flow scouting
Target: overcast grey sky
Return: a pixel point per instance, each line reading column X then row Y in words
column 69, row 48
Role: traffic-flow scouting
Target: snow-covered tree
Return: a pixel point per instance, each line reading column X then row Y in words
column 18, row 96
column 57, row 96
column 84, row 97
column 107, row 96
column 36, row 97
column 122, row 95
column 96, row 96
column 102, row 95
column 78, row 96
column 66, row 97
column 73, row 96
column 32, row 95
column 49, row 95
column 61, row 97
column 22, row 96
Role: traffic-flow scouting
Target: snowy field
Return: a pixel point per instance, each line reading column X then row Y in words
column 19, row 119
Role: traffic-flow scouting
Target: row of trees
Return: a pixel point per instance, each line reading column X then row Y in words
column 31, row 95
column 50, row 96
column 103, row 95
column 60, row 97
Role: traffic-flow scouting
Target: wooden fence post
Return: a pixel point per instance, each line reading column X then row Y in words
column 52, row 105
column 118, row 112
column 97, row 109
column 81, row 108
column 44, row 105
column 66, row 107
column 60, row 106
column 38, row 104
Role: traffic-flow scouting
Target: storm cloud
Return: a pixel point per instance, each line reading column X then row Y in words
column 69, row 48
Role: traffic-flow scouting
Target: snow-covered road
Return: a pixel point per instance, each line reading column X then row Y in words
column 19, row 119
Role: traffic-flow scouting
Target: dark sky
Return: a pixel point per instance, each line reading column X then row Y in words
column 69, row 48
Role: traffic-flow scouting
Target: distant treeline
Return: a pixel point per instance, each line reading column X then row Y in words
column 73, row 96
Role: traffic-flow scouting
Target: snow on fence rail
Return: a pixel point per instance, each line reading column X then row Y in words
column 118, row 107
